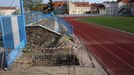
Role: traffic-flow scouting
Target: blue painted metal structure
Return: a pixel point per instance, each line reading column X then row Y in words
column 13, row 35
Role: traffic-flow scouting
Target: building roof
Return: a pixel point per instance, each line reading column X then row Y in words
column 77, row 4
column 97, row 6
column 59, row 3
column 110, row 2
column 126, row 1
column 8, row 8
column 43, row 5
column 81, row 4
column 56, row 4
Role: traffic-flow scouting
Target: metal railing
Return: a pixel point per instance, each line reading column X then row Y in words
column 53, row 23
column 78, row 15
column 33, row 17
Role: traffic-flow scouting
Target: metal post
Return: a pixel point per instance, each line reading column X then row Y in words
column 22, row 7
column 23, row 15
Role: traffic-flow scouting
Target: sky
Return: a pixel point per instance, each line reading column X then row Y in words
column 9, row 3
column 16, row 2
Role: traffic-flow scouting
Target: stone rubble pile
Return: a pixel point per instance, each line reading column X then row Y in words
column 39, row 38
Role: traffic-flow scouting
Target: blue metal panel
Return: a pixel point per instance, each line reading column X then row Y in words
column 7, row 32
column 22, row 32
column 21, row 28
column 14, row 36
column 11, row 51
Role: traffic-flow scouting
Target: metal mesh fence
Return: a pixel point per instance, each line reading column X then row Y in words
column 53, row 23
column 67, row 25
column 13, row 37
column 33, row 17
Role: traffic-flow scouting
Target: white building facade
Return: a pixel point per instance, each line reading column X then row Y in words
column 79, row 7
column 102, row 12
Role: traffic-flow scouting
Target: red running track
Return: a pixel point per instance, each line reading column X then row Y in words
column 113, row 49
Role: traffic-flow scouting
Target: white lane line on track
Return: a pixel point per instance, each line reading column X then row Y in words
column 113, row 44
column 100, row 61
column 108, row 50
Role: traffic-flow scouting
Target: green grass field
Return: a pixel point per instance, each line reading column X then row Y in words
column 121, row 23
